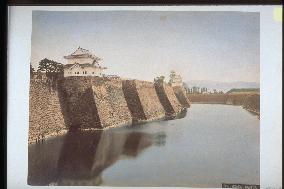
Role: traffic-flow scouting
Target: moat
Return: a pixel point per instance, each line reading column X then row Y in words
column 211, row 145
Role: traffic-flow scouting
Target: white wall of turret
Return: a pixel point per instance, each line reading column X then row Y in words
column 79, row 71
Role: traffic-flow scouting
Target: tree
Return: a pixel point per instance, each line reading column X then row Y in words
column 32, row 70
column 160, row 79
column 50, row 66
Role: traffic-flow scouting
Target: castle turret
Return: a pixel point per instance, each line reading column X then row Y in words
column 175, row 79
column 82, row 63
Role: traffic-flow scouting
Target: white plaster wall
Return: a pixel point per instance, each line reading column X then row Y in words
column 91, row 71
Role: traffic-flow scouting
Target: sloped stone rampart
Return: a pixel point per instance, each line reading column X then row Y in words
column 172, row 98
column 94, row 102
column 168, row 99
column 152, row 107
column 142, row 100
column 110, row 101
column 133, row 100
column 181, row 96
column 45, row 113
column 79, row 106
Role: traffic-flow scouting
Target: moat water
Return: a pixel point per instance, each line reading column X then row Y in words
column 211, row 145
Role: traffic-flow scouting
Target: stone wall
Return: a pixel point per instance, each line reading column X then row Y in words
column 168, row 99
column 45, row 113
column 181, row 96
column 79, row 106
column 152, row 107
column 95, row 102
column 252, row 103
column 111, row 104
column 133, row 100
column 172, row 98
column 142, row 100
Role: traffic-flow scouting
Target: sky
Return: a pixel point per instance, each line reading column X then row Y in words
column 216, row 46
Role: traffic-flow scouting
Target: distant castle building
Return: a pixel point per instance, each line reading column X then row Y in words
column 82, row 63
column 175, row 79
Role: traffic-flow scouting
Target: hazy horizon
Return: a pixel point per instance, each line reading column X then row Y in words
column 215, row 46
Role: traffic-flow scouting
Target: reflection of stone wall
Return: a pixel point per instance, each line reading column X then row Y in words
column 43, row 161
column 79, row 158
column 89, row 153
column 45, row 113
column 181, row 96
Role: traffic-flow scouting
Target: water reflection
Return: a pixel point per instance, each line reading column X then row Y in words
column 213, row 145
column 78, row 158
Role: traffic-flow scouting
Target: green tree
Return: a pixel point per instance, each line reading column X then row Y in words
column 50, row 66
column 160, row 79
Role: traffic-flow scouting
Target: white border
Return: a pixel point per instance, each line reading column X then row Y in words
column 19, row 47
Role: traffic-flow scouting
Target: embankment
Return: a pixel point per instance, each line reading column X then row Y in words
column 248, row 101
column 252, row 103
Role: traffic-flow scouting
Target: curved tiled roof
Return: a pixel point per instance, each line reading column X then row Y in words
column 80, row 52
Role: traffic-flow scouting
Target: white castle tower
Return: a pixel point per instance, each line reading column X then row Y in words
column 175, row 79
column 82, row 63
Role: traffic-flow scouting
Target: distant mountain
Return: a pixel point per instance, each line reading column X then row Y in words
column 223, row 86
